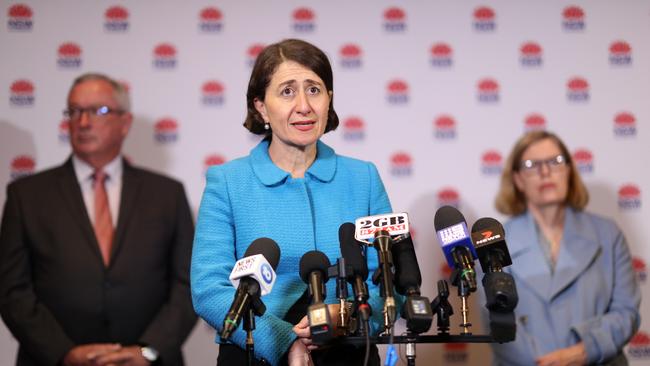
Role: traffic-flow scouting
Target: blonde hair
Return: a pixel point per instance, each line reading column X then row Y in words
column 511, row 201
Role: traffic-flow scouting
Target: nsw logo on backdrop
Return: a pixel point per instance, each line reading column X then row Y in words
column 629, row 197
column 444, row 127
column 534, row 122
column 212, row 93
column 625, row 125
column 491, row 163
column 640, row 269
column 573, row 19
column 64, row 131
column 448, row 196
column 441, row 55
column 213, row 159
column 210, row 20
column 22, row 93
column 351, row 56
column 639, row 346
column 252, row 52
column 116, row 19
column 530, row 55
column 620, row 53
column 401, row 164
column 164, row 56
column 166, row 131
column 354, row 129
column 398, row 92
column 455, row 353
column 304, row 20
column 69, row 56
column 394, row 20
column 484, row 19
column 22, row 166
column 488, row 91
column 19, row 18
column 584, row 160
column 578, row 90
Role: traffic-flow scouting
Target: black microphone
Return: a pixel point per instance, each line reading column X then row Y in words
column 489, row 239
column 451, row 229
column 501, row 297
column 417, row 309
column 408, row 278
column 352, row 251
column 254, row 276
column 313, row 271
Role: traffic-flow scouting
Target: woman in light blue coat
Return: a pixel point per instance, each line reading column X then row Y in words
column 578, row 295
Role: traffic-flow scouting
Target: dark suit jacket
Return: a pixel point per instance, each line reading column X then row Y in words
column 55, row 291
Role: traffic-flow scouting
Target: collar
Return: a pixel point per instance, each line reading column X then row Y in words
column 84, row 171
column 323, row 167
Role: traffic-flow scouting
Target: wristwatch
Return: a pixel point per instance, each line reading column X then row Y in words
column 149, row 354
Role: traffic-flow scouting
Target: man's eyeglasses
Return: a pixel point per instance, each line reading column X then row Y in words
column 94, row 112
column 531, row 167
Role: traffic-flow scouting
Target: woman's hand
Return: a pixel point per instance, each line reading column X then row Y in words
column 570, row 356
column 304, row 335
column 299, row 354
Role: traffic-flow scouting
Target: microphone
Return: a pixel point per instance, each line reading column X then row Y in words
column 313, row 271
column 501, row 296
column 253, row 276
column 408, row 278
column 384, row 275
column 417, row 309
column 451, row 229
column 352, row 252
column 489, row 239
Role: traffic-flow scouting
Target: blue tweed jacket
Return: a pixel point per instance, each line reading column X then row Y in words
column 249, row 198
column 592, row 296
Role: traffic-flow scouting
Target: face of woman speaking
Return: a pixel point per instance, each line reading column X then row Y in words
column 296, row 105
column 546, row 179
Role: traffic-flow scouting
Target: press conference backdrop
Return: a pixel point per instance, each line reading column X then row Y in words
column 434, row 93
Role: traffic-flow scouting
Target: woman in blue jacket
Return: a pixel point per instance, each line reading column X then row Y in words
column 292, row 188
column 578, row 295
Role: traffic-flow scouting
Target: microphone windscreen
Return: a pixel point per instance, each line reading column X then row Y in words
column 268, row 248
column 313, row 261
column 447, row 216
column 486, row 223
column 352, row 250
column 407, row 270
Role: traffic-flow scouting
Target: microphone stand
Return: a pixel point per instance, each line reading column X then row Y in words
column 464, row 289
column 340, row 271
column 249, row 327
column 384, row 276
column 255, row 308
column 442, row 307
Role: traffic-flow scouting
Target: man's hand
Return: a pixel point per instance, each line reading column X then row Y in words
column 570, row 356
column 84, row 355
column 127, row 356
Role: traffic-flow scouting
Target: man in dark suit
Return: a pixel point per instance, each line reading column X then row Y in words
column 76, row 289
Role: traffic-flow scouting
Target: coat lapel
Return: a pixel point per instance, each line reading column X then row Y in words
column 71, row 193
column 577, row 251
column 130, row 188
column 529, row 263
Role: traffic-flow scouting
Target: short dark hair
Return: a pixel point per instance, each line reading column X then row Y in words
column 296, row 50
column 511, row 201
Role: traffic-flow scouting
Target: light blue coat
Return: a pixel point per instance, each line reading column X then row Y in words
column 592, row 297
column 249, row 198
